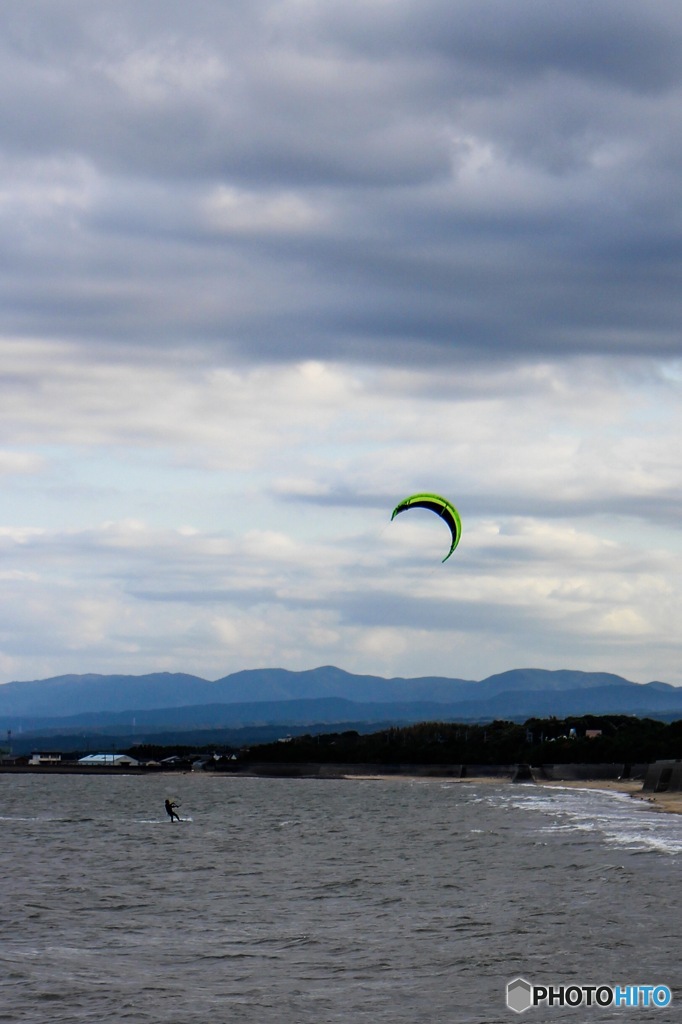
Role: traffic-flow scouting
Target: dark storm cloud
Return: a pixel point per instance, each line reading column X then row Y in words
column 390, row 183
column 212, row 91
column 614, row 40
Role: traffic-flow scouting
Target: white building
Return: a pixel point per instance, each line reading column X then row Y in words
column 45, row 757
column 108, row 761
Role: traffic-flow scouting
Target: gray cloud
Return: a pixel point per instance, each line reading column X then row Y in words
column 618, row 40
column 479, row 179
column 432, row 614
column 664, row 507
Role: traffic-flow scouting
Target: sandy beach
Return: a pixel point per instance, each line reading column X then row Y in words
column 671, row 803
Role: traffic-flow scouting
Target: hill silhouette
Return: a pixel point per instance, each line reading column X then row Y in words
column 126, row 706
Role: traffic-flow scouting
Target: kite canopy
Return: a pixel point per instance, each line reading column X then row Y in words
column 441, row 506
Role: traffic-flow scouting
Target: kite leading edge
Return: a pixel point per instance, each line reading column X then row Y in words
column 441, row 506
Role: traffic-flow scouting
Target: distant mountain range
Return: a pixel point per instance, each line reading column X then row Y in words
column 271, row 702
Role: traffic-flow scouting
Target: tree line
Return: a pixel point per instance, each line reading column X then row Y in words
column 589, row 739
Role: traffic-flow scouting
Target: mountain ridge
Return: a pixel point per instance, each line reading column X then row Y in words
column 259, row 694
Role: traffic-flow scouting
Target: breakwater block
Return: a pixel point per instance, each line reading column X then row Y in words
column 663, row 777
column 523, row 773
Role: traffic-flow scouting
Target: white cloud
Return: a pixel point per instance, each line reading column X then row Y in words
column 129, row 596
column 233, row 210
column 164, row 71
column 13, row 462
column 267, row 269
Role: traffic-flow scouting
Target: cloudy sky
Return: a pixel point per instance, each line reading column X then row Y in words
column 269, row 267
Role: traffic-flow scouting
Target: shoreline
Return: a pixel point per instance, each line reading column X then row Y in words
column 668, row 803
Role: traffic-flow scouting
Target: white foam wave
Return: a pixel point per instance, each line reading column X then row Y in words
column 616, row 817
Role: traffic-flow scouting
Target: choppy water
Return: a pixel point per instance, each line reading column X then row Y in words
column 287, row 901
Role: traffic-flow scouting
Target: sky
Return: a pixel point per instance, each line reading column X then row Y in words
column 266, row 269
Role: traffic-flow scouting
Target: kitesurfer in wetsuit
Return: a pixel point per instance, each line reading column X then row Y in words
column 170, row 810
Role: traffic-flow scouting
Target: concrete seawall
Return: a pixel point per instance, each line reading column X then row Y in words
column 589, row 772
column 315, row 770
column 547, row 772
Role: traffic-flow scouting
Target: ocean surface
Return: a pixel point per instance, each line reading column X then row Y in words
column 281, row 901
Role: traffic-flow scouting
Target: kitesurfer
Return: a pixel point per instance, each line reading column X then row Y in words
column 170, row 810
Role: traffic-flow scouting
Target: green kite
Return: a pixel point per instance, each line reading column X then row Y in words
column 441, row 506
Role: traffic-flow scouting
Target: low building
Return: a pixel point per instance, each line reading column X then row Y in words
column 45, row 757
column 12, row 760
column 108, row 761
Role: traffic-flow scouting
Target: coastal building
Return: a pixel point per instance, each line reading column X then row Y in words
column 108, row 761
column 45, row 757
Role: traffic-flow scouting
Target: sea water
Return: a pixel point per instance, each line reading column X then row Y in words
column 281, row 901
